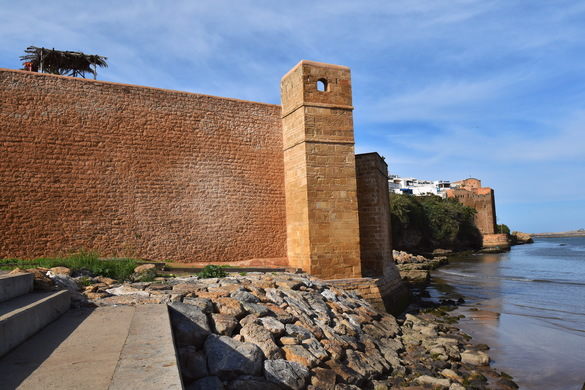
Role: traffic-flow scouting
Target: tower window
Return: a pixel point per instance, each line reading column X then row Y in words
column 322, row 85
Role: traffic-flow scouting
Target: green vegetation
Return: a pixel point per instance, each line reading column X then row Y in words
column 212, row 271
column 503, row 229
column 429, row 222
column 119, row 269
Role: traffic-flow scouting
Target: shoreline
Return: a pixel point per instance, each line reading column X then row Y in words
column 435, row 315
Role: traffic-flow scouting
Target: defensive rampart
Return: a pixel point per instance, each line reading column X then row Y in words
column 134, row 171
column 165, row 175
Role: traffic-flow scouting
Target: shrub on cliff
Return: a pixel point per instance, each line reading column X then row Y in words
column 503, row 229
column 430, row 222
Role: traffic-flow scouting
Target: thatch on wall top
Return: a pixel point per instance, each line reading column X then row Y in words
column 66, row 63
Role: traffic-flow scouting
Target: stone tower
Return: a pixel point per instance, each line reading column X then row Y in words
column 320, row 176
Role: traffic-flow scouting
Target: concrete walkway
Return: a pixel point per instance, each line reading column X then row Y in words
column 85, row 347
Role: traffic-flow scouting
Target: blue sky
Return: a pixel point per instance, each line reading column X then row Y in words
column 493, row 89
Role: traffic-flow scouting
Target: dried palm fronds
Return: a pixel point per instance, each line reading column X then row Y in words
column 67, row 63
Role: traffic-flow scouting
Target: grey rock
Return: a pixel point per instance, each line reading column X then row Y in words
column 298, row 331
column 193, row 363
column 189, row 323
column 289, row 375
column 315, row 348
column 257, row 334
column 360, row 363
column 329, row 295
column 203, row 304
column 440, row 383
column 223, row 324
column 274, row 296
column 256, row 308
column 229, row 358
column 476, row 358
column 207, row 383
column 250, row 319
column 273, row 325
column 244, row 296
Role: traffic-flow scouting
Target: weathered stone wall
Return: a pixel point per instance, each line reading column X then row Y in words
column 495, row 240
column 320, row 181
column 482, row 200
column 135, row 171
column 374, row 214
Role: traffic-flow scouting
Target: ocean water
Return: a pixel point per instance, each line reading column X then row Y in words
column 528, row 305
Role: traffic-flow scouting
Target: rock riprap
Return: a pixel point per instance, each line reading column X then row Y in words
column 293, row 331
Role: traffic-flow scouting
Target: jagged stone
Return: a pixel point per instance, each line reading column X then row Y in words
column 223, row 324
column 334, row 348
column 189, row 323
column 360, row 363
column 297, row 331
column 300, row 354
column 329, row 295
column 228, row 358
column 250, row 319
column 274, row 296
column 272, row 325
column 187, row 288
column 289, row 340
column 316, row 349
column 289, row 375
column 244, row 296
column 260, row 336
column 127, row 290
column 203, row 304
column 256, row 308
column 344, row 374
column 229, row 306
column 280, row 314
column 323, row 378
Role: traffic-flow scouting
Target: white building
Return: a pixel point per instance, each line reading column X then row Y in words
column 413, row 186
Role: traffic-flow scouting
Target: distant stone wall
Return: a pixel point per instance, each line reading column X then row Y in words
column 134, row 171
column 482, row 199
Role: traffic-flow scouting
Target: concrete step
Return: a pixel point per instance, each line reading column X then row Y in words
column 23, row 316
column 115, row 347
column 14, row 285
column 148, row 359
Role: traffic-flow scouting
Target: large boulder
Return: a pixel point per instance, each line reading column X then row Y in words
column 228, row 358
column 289, row 375
column 190, row 324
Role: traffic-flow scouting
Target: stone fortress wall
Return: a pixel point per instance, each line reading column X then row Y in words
column 165, row 175
column 134, row 171
column 472, row 194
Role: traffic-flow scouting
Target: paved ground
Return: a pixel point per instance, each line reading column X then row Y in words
column 80, row 350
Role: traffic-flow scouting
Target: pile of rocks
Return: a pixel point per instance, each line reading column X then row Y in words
column 416, row 269
column 440, row 356
column 293, row 331
column 270, row 331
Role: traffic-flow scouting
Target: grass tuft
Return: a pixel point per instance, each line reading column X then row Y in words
column 119, row 269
